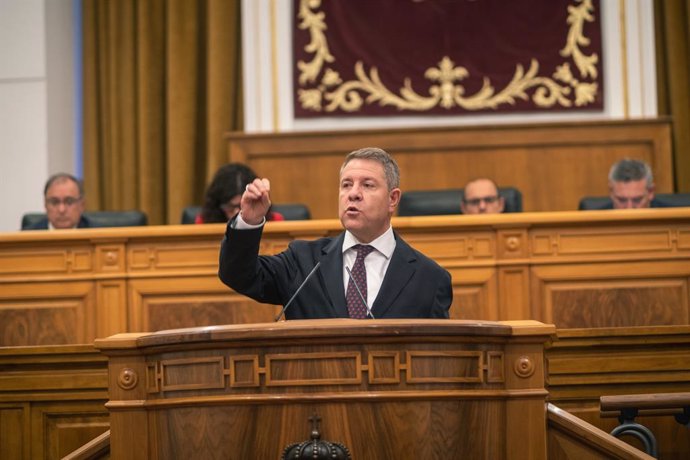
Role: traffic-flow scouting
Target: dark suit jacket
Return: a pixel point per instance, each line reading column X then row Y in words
column 43, row 224
column 414, row 285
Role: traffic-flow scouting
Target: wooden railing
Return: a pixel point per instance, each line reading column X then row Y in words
column 627, row 408
column 96, row 449
column 587, row 364
column 572, row 438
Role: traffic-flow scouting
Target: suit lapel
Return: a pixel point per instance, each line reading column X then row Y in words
column 401, row 268
column 332, row 275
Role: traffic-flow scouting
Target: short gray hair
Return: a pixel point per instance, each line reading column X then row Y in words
column 390, row 167
column 629, row 170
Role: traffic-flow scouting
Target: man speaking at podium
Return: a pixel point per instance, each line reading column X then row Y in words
column 368, row 271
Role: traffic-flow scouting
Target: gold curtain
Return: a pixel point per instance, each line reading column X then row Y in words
column 673, row 79
column 162, row 83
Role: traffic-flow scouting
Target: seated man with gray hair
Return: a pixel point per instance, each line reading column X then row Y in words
column 631, row 185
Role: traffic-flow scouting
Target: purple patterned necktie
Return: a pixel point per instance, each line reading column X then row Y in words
column 355, row 307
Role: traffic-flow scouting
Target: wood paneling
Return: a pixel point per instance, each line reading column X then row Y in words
column 52, row 400
column 585, row 364
column 570, row 160
column 13, row 421
column 175, row 302
column 64, row 427
column 66, row 388
column 616, row 303
column 573, row 269
column 439, row 378
column 47, row 313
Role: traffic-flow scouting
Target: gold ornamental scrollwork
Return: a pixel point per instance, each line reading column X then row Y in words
column 332, row 93
column 524, row 367
column 127, row 379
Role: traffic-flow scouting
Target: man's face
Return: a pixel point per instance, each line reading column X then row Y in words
column 63, row 203
column 481, row 197
column 630, row 195
column 365, row 205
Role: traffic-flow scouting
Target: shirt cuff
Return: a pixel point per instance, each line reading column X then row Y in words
column 240, row 224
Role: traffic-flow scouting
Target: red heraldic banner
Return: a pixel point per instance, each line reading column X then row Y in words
column 446, row 57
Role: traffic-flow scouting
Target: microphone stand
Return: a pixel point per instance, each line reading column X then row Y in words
column 313, row 270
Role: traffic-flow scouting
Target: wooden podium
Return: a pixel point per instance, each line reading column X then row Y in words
column 404, row 389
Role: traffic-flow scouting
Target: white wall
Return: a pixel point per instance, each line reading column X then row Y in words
column 36, row 102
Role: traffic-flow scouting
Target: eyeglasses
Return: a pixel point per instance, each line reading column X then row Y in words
column 67, row 201
column 485, row 199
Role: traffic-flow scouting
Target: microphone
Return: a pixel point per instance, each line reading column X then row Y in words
column 359, row 292
column 313, row 270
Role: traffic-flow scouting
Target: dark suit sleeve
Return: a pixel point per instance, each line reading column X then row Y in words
column 238, row 264
column 443, row 297
column 262, row 278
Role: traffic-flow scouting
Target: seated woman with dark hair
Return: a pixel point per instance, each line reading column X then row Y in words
column 224, row 193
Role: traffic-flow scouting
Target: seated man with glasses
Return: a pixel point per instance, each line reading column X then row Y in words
column 631, row 185
column 64, row 204
column 480, row 196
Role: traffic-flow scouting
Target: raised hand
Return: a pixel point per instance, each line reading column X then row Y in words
column 256, row 201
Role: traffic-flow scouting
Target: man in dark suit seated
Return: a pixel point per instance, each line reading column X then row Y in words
column 64, row 203
column 631, row 185
column 480, row 196
column 388, row 278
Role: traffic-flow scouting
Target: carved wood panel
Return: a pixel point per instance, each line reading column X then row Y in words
column 617, row 304
column 47, row 313
column 451, row 248
column 186, row 254
column 474, row 293
column 607, row 295
column 249, row 431
column 170, row 303
column 42, row 259
column 13, row 434
column 63, row 427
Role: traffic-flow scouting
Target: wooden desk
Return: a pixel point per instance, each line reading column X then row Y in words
column 572, row 269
